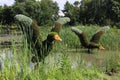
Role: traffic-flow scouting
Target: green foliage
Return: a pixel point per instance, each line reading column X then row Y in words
column 45, row 12
column 6, row 15
column 58, row 65
column 102, row 12
column 20, row 1
column 71, row 40
column 113, row 63
column 49, row 12
column 72, row 12
column 1, row 11
column 19, row 8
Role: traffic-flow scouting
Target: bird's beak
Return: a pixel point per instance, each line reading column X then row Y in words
column 56, row 37
column 101, row 48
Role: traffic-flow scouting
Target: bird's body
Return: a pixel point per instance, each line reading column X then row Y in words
column 94, row 42
column 44, row 49
column 41, row 48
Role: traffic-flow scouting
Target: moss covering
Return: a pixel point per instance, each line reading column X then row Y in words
column 93, row 43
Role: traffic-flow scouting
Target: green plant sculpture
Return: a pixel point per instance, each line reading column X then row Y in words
column 93, row 43
column 41, row 48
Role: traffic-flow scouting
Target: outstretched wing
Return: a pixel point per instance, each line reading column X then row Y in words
column 29, row 28
column 82, row 36
column 58, row 24
column 23, row 21
column 96, row 37
column 56, row 28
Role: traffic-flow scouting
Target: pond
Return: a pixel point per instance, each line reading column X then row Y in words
column 75, row 58
column 10, row 58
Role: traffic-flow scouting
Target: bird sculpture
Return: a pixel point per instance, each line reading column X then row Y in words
column 31, row 30
column 94, row 42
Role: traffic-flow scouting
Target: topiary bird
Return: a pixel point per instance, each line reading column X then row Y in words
column 41, row 48
column 93, row 43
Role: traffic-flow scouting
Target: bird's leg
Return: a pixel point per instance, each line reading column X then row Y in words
column 89, row 51
column 36, row 65
column 76, row 48
column 43, row 61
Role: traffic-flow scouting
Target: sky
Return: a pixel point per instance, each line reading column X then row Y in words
column 8, row 2
column 60, row 3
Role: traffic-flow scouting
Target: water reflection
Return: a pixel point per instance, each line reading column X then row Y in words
column 9, row 59
column 3, row 57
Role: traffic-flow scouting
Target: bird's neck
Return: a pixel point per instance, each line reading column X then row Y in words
column 48, row 42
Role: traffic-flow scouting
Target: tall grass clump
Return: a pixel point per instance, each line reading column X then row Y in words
column 111, row 39
column 113, row 62
column 69, row 39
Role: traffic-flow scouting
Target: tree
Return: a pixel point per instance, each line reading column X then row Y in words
column 77, row 3
column 42, row 11
column 22, row 1
column 0, row 8
column 6, row 15
column 49, row 12
column 115, row 9
column 0, row 14
column 72, row 11
column 19, row 8
column 87, row 12
column 102, row 12
column 45, row 12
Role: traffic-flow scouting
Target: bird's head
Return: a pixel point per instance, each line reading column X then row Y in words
column 53, row 36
